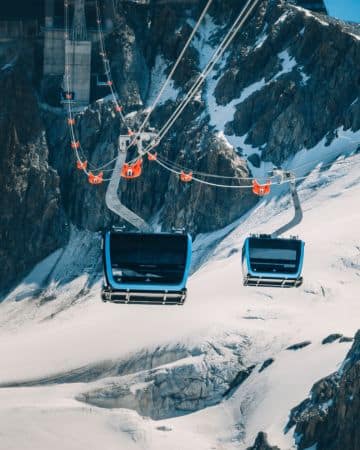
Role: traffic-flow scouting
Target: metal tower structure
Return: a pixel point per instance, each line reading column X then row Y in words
column 79, row 32
column 78, row 57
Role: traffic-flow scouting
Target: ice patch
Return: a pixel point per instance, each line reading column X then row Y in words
column 357, row 37
column 220, row 115
column 281, row 19
column 158, row 77
column 308, row 13
column 202, row 41
column 262, row 38
column 288, row 63
column 304, row 77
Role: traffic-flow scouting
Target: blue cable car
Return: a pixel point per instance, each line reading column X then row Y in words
column 273, row 262
column 269, row 260
column 146, row 268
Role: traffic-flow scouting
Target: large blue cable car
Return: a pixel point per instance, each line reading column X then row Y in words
column 269, row 260
column 146, row 268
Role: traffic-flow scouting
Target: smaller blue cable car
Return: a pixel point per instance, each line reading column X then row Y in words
column 273, row 262
column 146, row 268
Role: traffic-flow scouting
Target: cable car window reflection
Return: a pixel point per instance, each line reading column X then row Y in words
column 153, row 259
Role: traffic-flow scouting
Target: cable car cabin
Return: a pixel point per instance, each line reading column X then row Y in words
column 146, row 268
column 272, row 262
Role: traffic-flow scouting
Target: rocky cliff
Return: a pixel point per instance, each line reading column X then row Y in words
column 329, row 418
column 289, row 80
column 32, row 221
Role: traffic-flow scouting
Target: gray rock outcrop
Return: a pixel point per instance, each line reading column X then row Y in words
column 329, row 418
column 32, row 221
column 261, row 443
column 178, row 381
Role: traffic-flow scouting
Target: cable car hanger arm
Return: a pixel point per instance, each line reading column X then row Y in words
column 113, row 202
column 298, row 214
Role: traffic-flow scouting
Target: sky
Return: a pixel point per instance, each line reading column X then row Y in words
column 344, row 9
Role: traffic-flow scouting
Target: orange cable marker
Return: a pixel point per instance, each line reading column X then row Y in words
column 95, row 179
column 186, row 177
column 130, row 171
column 261, row 189
column 81, row 165
column 152, row 156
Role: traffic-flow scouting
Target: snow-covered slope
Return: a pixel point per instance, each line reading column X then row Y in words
column 84, row 352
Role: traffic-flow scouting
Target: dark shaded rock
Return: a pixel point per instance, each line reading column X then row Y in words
column 296, row 108
column 261, row 443
column 299, row 345
column 331, row 338
column 238, row 380
column 266, row 364
column 32, row 223
column 330, row 416
column 255, row 160
column 346, row 339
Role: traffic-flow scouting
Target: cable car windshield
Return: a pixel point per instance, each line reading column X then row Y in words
column 274, row 255
column 148, row 258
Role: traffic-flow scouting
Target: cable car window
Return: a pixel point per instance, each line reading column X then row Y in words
column 274, row 255
column 156, row 259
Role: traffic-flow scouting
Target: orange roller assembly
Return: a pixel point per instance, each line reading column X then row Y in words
column 118, row 108
column 81, row 165
column 95, row 179
column 186, row 177
column 152, row 156
column 130, row 171
column 261, row 189
column 75, row 145
column 71, row 121
column 109, row 83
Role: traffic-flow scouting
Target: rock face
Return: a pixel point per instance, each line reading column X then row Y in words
column 173, row 381
column 329, row 418
column 314, row 5
column 285, row 66
column 261, row 443
column 289, row 80
column 32, row 223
